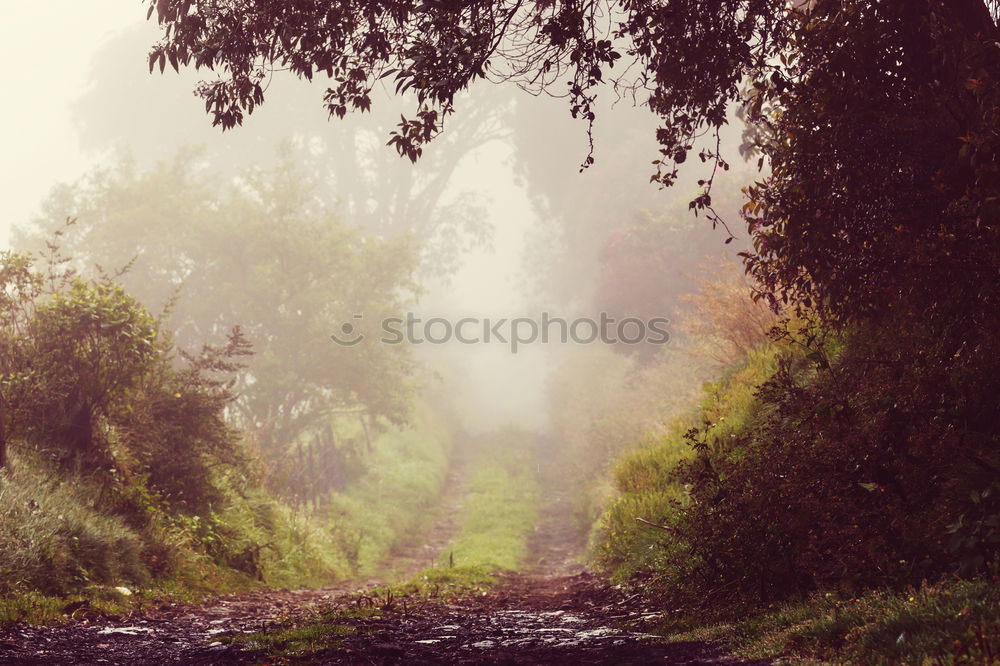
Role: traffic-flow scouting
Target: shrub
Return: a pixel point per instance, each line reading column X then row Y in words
column 647, row 482
column 857, row 463
column 725, row 323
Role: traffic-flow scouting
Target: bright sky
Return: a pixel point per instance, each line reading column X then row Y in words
column 47, row 48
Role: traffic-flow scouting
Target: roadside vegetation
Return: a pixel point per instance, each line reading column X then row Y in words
column 798, row 512
column 123, row 480
column 499, row 513
column 953, row 621
column 66, row 556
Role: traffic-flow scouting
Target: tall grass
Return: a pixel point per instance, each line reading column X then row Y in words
column 53, row 540
column 58, row 541
column 646, row 488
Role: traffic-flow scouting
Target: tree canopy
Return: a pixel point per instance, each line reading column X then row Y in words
column 348, row 162
column 687, row 58
column 870, row 158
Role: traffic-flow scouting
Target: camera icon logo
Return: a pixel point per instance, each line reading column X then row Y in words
column 349, row 335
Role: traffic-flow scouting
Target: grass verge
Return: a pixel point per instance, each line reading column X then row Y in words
column 500, row 512
column 64, row 555
column 950, row 622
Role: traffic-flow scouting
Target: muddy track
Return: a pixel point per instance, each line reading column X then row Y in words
column 168, row 634
column 561, row 620
column 527, row 619
column 424, row 548
column 554, row 612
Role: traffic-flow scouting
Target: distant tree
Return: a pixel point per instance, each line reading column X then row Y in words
column 583, row 214
column 355, row 175
column 263, row 252
column 435, row 50
column 645, row 269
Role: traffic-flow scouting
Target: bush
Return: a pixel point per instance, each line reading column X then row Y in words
column 858, row 470
column 125, row 469
column 724, row 321
column 845, row 462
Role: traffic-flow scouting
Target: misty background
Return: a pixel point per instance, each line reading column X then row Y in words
column 507, row 224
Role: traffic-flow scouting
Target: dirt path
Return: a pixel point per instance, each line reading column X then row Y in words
column 168, row 634
column 555, row 612
column 423, row 549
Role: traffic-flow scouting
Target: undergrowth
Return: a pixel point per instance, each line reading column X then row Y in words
column 64, row 554
column 645, row 477
column 821, row 505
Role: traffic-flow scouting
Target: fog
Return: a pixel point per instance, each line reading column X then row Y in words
column 49, row 50
column 507, row 225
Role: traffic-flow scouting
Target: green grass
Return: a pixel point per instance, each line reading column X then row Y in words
column 500, row 510
column 952, row 622
column 620, row 545
column 395, row 497
column 193, row 577
column 499, row 514
column 294, row 641
column 202, row 580
column 52, row 539
column 59, row 545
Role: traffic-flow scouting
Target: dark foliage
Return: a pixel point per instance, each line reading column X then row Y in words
column 863, row 470
column 89, row 383
column 880, row 214
column 883, row 182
